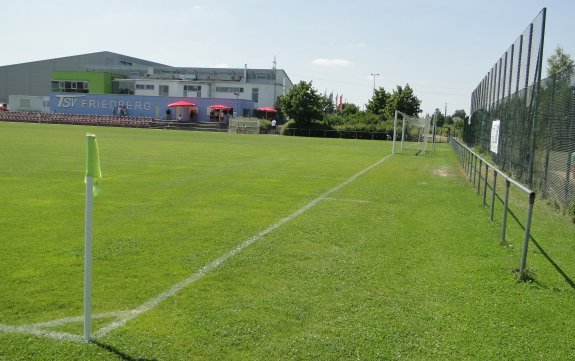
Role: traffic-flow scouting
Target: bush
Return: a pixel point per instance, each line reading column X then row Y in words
column 333, row 120
column 265, row 126
column 572, row 212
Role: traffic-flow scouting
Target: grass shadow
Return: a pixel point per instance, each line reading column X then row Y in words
column 120, row 354
column 553, row 263
column 568, row 279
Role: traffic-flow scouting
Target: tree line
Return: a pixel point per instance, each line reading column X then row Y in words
column 304, row 107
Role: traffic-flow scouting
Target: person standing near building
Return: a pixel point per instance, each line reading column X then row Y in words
column 274, row 126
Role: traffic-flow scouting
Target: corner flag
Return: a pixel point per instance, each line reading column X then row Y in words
column 93, row 162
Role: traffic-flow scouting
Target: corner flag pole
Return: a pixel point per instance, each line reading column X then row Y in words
column 93, row 172
column 88, row 259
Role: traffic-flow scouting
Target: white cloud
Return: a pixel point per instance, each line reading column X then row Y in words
column 221, row 65
column 331, row 62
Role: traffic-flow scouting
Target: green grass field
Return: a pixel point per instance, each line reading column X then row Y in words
column 342, row 262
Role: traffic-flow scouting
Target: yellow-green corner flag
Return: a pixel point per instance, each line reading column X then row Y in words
column 93, row 162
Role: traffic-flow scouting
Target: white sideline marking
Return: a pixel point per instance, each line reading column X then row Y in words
column 346, row 200
column 123, row 317
column 62, row 336
column 66, row 320
column 38, row 329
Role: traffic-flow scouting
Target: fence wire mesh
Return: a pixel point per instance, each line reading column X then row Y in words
column 536, row 136
column 536, row 140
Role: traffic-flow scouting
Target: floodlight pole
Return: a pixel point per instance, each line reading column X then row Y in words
column 374, row 75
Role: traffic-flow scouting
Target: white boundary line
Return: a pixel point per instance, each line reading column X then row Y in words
column 123, row 317
column 42, row 328
column 346, row 200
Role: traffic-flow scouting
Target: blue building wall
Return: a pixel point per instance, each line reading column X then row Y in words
column 138, row 105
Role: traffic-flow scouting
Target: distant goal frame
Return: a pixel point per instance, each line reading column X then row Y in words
column 426, row 133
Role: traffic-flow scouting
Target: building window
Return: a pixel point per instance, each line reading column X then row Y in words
column 145, row 86
column 192, row 91
column 226, row 89
column 70, row 86
column 255, row 95
column 164, row 90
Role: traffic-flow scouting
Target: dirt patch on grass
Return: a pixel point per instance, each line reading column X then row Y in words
column 443, row 171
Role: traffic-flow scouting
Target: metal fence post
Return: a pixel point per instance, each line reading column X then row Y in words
column 526, row 237
column 505, row 207
column 493, row 194
column 479, row 176
column 471, row 165
column 485, row 184
column 469, row 160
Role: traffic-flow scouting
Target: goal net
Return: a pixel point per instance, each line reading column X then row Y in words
column 415, row 132
column 244, row 125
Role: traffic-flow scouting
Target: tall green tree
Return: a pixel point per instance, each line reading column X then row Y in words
column 404, row 100
column 460, row 113
column 303, row 103
column 559, row 62
column 349, row 108
column 378, row 103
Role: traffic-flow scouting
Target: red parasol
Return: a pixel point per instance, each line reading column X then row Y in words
column 182, row 103
column 267, row 110
column 220, row 107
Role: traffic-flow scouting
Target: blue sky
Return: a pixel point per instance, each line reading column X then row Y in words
column 441, row 48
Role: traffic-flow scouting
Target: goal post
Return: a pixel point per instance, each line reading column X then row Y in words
column 415, row 132
column 244, row 125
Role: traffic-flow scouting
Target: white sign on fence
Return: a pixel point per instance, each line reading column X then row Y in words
column 495, row 136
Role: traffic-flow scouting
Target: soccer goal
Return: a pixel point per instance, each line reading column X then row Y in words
column 415, row 133
column 244, row 125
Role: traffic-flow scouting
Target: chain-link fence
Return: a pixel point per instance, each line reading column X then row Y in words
column 535, row 119
column 536, row 136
